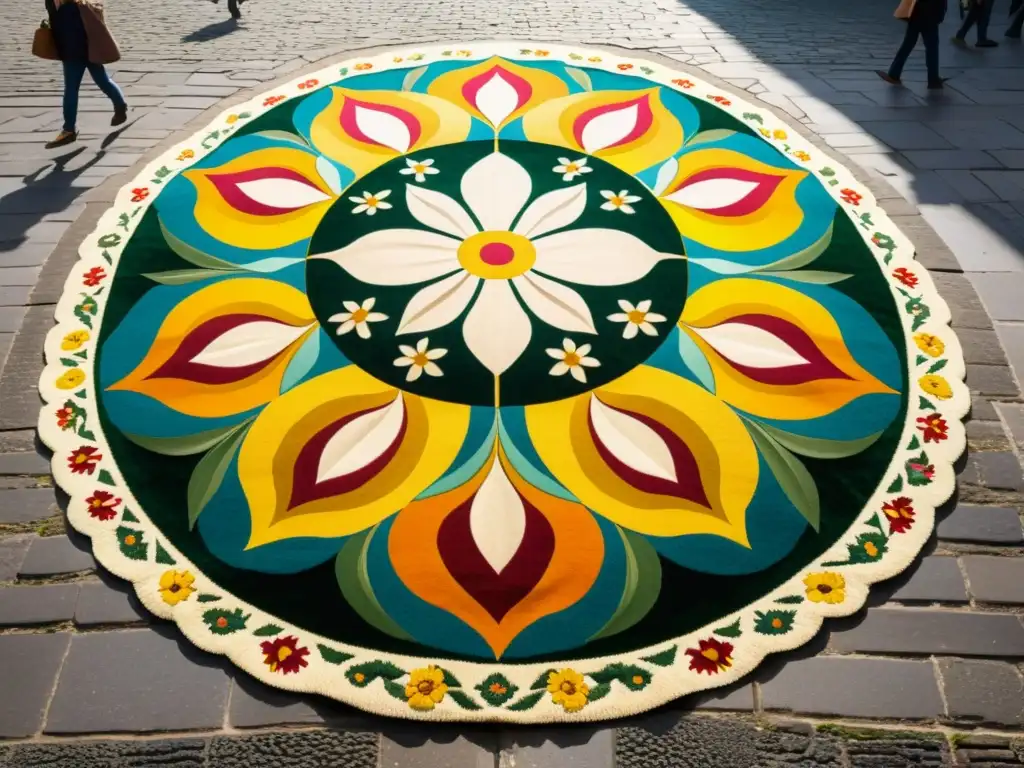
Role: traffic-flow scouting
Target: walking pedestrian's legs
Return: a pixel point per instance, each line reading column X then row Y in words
column 969, row 21
column 909, row 41
column 73, row 73
column 984, row 17
column 233, row 7
column 102, row 79
column 1017, row 24
column 930, row 36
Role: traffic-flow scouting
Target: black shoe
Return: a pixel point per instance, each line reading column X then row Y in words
column 120, row 115
column 63, row 138
column 954, row 40
column 1012, row 35
column 888, row 78
column 986, row 44
column 937, row 85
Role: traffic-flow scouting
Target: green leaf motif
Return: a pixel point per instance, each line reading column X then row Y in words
column 937, row 366
column 925, row 403
column 332, row 656
column 914, row 444
column 527, row 702
column 895, row 486
column 128, row 517
column 820, row 448
column 801, row 258
column 105, row 477
column 705, row 137
column 109, row 241
column 268, row 630
column 809, row 276
column 580, row 77
column 395, row 690
column 352, row 574
column 633, row 677
column 185, row 276
column 162, row 556
column 361, row 675
column 794, row 479
column 182, row 446
column 599, row 691
column 753, row 117
column 773, row 622
column 664, row 658
column 411, row 77
column 496, row 689
column 449, row 679
column 732, row 630
column 463, row 699
column 790, row 599
column 643, row 584
column 193, row 255
column 68, row 362
column 224, row 622
column 130, row 542
column 204, row 598
column 542, row 681
column 209, row 472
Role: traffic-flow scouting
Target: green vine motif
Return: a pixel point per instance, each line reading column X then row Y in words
column 86, row 310
column 163, row 171
column 773, row 622
column 224, row 622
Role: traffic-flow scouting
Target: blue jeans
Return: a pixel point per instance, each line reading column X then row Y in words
column 929, row 33
column 73, row 73
column 980, row 15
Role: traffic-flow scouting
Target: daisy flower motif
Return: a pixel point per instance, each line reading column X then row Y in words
column 419, row 169
column 420, row 359
column 369, row 204
column 619, row 202
column 358, row 317
column 638, row 318
column 570, row 169
column 572, row 359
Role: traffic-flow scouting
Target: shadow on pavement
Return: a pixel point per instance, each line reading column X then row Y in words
column 212, row 31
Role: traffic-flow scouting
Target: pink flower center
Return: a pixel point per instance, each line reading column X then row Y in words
column 497, row 254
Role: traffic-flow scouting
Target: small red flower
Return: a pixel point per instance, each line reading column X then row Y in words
column 282, row 655
column 711, row 656
column 64, row 417
column 624, row 67
column 683, row 83
column 93, row 277
column 272, row 100
column 103, row 505
column 905, row 276
column 84, row 460
column 934, row 427
column 139, row 194
column 311, row 83
column 928, row 470
column 851, row 197
column 900, row 514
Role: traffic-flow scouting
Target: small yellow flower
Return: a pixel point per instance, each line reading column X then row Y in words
column 232, row 119
column 595, row 59
column 800, row 155
column 71, row 379
column 425, row 688
column 74, row 340
column 825, row 587
column 936, row 386
column 397, row 59
column 187, row 154
column 781, row 135
column 765, row 132
column 930, row 345
column 176, row 586
column 568, row 689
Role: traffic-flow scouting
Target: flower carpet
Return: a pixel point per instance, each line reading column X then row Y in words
column 501, row 383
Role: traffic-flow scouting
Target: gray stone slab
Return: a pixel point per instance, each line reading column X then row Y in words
column 31, row 663
column 561, row 747
column 1012, row 415
column 932, row 631
column 994, row 380
column 968, row 232
column 89, row 699
column 1007, row 185
column 254, row 705
column 906, row 135
column 14, row 297
column 135, row 753
column 55, row 555
column 1012, row 337
column 23, row 605
column 19, row 395
column 969, row 186
column 24, row 505
column 11, row 318
column 26, row 255
column 1001, row 294
column 101, row 604
column 982, row 525
column 995, row 579
column 306, row 749
column 855, row 687
column 982, row 407
column 936, row 580
column 932, row 159
column 930, row 248
column 980, row 134
column 407, row 747
column 12, row 554
column 24, row 463
column 1000, row 470
column 1011, row 158
column 985, row 692
column 981, row 346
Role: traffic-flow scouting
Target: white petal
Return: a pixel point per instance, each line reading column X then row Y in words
column 552, row 211
column 361, row 208
column 496, row 189
column 578, row 373
column 568, row 345
column 609, row 207
column 627, row 209
column 383, row 128
column 596, row 257
column 439, row 211
column 407, row 171
column 625, row 306
column 376, row 317
column 351, row 306
column 590, row 362
column 496, row 99
column 644, row 306
column 371, row 210
column 631, row 441
column 619, row 317
column 648, row 329
column 403, row 362
column 654, row 317
column 361, row 441
column 414, row 373
column 433, row 369
column 384, row 206
column 363, row 330
column 559, row 369
column 554, row 303
column 421, row 345
column 609, row 128
column 630, row 331
column 607, row 194
column 583, row 350
column 436, row 354
column 750, row 346
column 383, row 194
column 286, row 194
column 430, row 171
column 345, row 327
column 329, row 173
column 427, row 164
column 396, row 257
column 368, row 303
column 406, row 350
column 713, row 193
column 438, row 304
column 497, row 519
column 248, row 344
column 497, row 330
column 340, row 317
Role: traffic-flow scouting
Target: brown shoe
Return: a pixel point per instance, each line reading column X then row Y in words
column 888, row 78
column 63, row 138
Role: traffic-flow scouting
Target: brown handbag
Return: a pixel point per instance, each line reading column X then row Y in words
column 905, row 9
column 44, row 44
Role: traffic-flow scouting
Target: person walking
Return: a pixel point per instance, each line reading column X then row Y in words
column 233, row 8
column 84, row 44
column 978, row 12
column 923, row 22
column 1017, row 25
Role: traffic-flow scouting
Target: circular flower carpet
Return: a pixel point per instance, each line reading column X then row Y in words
column 501, row 383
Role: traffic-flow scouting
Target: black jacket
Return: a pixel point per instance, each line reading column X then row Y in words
column 929, row 11
column 68, row 31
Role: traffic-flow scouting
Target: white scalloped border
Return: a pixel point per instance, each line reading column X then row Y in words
column 666, row 683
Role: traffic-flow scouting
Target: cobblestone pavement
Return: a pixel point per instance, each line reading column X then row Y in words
column 934, row 662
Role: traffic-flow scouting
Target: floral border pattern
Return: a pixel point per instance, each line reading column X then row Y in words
column 884, row 541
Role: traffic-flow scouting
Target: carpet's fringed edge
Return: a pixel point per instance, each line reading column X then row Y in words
column 136, row 551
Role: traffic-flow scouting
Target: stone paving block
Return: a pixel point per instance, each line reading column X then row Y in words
column 908, row 134
column 932, row 631
column 1000, row 470
column 855, row 687
column 99, row 603
column 968, row 232
column 12, row 554
column 936, row 580
column 307, row 749
column 92, row 697
column 408, row 747
column 1012, row 337
column 994, row 380
column 54, row 555
column 1007, row 185
column 980, row 134
column 254, row 704
column 981, row 407
column 19, row 396
column 565, row 748
column 981, row 691
column 1012, row 415
column 1011, row 158
column 135, row 753
column 31, row 663
column 981, row 346
column 982, row 525
column 24, row 505
column 932, row 159
column 733, row 698
column 930, row 249
column 26, row 255
column 968, row 186
column 24, row 463
column 23, row 605
column 15, row 297
column 11, row 318
column 1000, row 293
column 995, row 579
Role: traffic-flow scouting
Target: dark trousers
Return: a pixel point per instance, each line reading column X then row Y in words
column 980, row 15
column 73, row 73
column 1017, row 24
column 929, row 33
